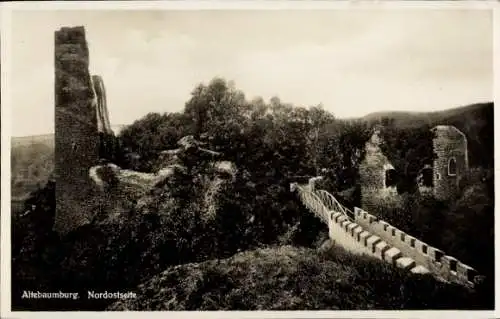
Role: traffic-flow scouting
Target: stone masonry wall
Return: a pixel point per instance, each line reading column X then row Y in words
column 448, row 143
column 372, row 176
column 353, row 236
column 76, row 138
column 435, row 260
column 103, row 123
column 107, row 141
column 80, row 115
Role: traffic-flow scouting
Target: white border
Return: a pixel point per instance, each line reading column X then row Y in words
column 5, row 16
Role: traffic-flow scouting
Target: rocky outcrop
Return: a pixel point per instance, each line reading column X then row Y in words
column 186, row 162
column 103, row 123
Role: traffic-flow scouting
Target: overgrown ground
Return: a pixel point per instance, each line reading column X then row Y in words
column 292, row 278
column 172, row 267
column 271, row 144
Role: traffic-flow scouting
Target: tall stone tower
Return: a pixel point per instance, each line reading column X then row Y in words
column 76, row 129
column 451, row 163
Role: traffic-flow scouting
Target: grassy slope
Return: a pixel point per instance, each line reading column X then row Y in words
column 290, row 278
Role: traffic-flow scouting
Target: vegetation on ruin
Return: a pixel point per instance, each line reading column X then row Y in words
column 271, row 144
column 294, row 278
column 459, row 226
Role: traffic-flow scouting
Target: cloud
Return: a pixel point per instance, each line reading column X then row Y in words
column 353, row 61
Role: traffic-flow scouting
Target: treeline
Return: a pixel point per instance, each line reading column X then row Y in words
column 275, row 141
column 270, row 143
column 475, row 121
column 463, row 226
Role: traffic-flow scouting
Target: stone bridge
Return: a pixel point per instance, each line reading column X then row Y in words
column 362, row 233
column 82, row 135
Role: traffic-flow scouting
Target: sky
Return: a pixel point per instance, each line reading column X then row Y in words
column 353, row 62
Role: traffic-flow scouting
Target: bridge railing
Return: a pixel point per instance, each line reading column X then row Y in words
column 313, row 202
column 321, row 203
column 379, row 236
column 333, row 204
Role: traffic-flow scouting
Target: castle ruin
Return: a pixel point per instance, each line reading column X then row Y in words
column 378, row 177
column 81, row 126
column 451, row 162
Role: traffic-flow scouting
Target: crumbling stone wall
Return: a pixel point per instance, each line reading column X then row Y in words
column 103, row 123
column 80, row 116
column 433, row 259
column 372, row 174
column 108, row 143
column 449, row 144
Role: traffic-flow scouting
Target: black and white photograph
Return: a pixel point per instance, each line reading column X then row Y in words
column 224, row 159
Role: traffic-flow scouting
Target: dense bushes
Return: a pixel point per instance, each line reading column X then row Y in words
column 272, row 144
column 167, row 230
column 150, row 135
column 287, row 278
column 463, row 229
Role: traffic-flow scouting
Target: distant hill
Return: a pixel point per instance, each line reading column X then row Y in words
column 47, row 139
column 32, row 156
column 413, row 119
column 474, row 120
column 32, row 163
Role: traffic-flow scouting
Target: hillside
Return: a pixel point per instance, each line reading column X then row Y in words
column 47, row 139
column 460, row 225
column 413, row 119
column 291, row 278
column 32, row 162
column 176, row 245
column 475, row 121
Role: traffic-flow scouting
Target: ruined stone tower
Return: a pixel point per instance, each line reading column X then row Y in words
column 451, row 163
column 376, row 175
column 80, row 115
